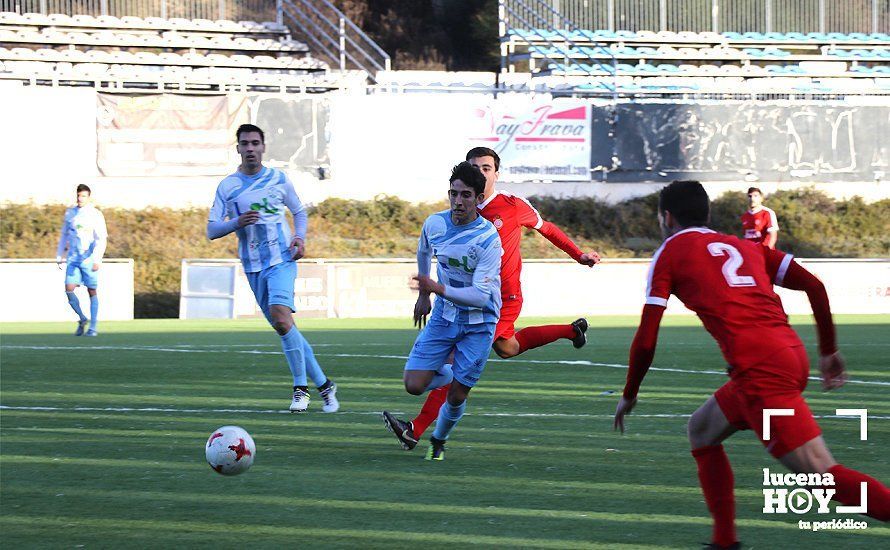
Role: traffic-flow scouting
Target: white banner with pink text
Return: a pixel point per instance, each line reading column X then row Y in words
column 538, row 141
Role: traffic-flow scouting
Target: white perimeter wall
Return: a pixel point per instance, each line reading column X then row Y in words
column 402, row 145
column 551, row 288
column 34, row 290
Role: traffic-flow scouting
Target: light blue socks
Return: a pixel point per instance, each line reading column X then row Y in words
column 94, row 311
column 443, row 377
column 75, row 305
column 292, row 344
column 313, row 369
column 449, row 416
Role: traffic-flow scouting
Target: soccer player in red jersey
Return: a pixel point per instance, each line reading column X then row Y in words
column 509, row 214
column 759, row 222
column 729, row 282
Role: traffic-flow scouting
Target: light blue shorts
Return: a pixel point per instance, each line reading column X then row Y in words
column 82, row 274
column 274, row 286
column 471, row 345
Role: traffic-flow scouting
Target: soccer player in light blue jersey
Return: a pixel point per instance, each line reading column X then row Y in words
column 84, row 237
column 468, row 251
column 251, row 203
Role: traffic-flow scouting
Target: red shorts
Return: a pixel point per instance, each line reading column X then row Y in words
column 775, row 383
column 510, row 309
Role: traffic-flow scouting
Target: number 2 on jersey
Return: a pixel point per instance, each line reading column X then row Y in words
column 731, row 265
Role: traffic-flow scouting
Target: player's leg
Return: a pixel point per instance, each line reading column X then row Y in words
column 535, row 337
column 504, row 344
column 430, row 410
column 796, row 440
column 450, row 414
column 470, row 355
column 282, row 321
column 72, row 281
column 708, row 427
column 509, row 343
column 814, row 457
column 426, row 368
column 91, row 281
column 326, row 387
column 292, row 347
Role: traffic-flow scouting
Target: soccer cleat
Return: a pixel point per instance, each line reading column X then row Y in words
column 404, row 431
column 714, row 546
column 329, row 395
column 81, row 326
column 580, row 326
column 300, row 402
column 91, row 332
column 436, row 450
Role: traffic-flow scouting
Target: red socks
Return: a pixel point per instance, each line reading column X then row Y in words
column 715, row 477
column 846, row 483
column 535, row 337
column 430, row 411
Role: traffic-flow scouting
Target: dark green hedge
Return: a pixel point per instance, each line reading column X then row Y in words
column 813, row 225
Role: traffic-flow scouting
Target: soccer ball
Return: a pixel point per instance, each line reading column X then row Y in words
column 230, row 450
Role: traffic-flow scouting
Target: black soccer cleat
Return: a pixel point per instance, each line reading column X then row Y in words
column 436, row 450
column 404, row 431
column 714, row 546
column 580, row 326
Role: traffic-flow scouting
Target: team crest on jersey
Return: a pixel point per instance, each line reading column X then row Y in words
column 498, row 222
column 264, row 207
column 471, row 252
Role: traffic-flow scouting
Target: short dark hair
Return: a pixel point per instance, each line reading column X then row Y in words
column 753, row 189
column 84, row 187
column 246, row 128
column 687, row 201
column 470, row 175
column 476, row 152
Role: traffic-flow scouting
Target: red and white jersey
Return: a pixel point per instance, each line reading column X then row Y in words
column 757, row 223
column 510, row 214
column 728, row 282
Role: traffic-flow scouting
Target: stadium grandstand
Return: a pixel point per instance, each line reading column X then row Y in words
column 202, row 46
column 781, row 92
column 700, row 46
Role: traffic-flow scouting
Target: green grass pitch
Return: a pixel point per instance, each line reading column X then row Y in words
column 101, row 442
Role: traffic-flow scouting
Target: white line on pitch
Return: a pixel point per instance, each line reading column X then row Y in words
column 577, row 362
column 359, row 413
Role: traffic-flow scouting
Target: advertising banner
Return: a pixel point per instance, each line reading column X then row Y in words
column 166, row 134
column 549, row 141
column 773, row 141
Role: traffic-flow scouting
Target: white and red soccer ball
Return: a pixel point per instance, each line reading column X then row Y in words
column 230, row 450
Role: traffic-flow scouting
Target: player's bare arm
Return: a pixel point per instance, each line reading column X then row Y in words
column 427, row 285
column 590, row 259
column 834, row 373
column 625, row 406
column 248, row 218
column 422, row 309
column 299, row 248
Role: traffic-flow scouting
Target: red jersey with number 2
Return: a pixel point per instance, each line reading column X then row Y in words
column 728, row 282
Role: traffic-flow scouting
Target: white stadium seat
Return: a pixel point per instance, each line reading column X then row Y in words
column 35, row 19
column 85, row 20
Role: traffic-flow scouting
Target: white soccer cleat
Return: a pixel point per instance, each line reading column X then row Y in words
column 91, row 332
column 300, row 402
column 329, row 395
